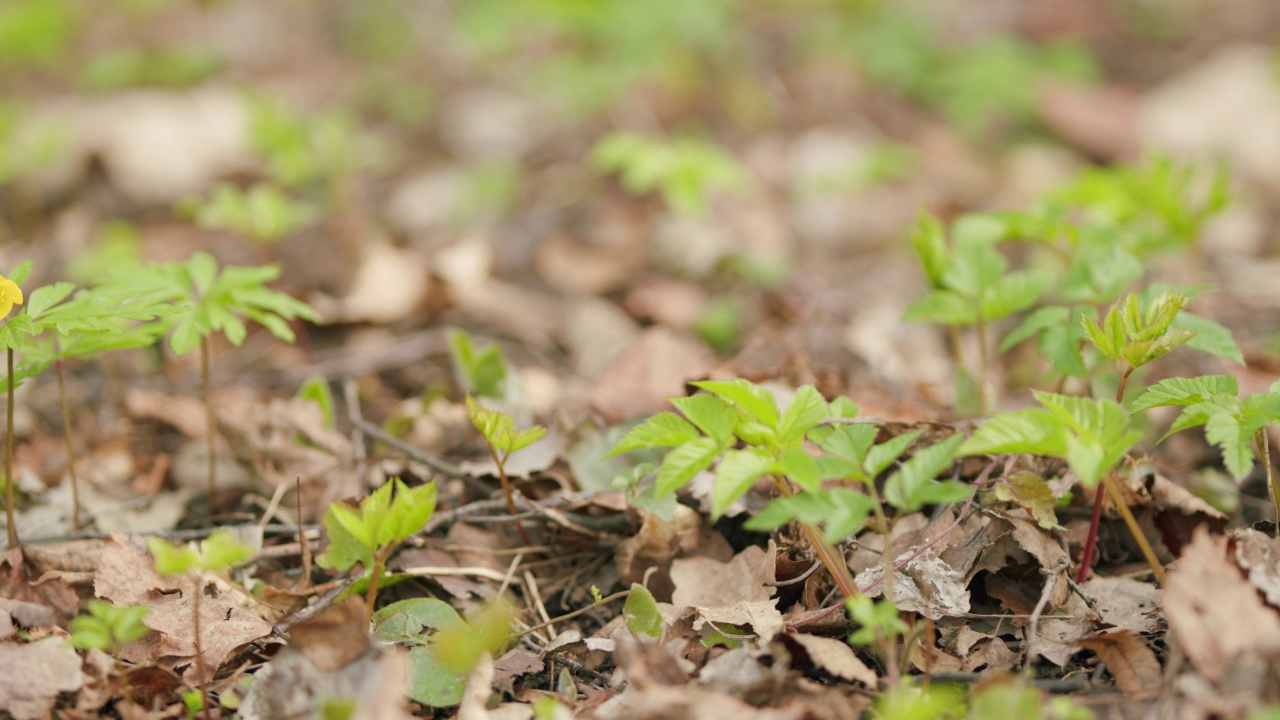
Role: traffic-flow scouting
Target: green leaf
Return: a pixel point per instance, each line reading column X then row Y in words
column 872, row 616
column 1186, row 391
column 661, row 430
column 801, row 467
column 431, row 682
column 943, row 307
column 912, row 486
column 1108, row 337
column 881, row 456
column 929, row 241
column 756, row 400
column 171, row 560
column 345, row 548
column 410, row 620
column 710, row 414
column 1210, row 337
column 683, row 462
column 851, row 443
column 488, row 630
column 807, row 409
column 1036, row 322
column 735, row 474
column 1226, row 432
column 843, row 407
column 1013, row 293
column 221, row 551
column 480, row 371
column 641, row 613
column 1031, row 492
column 316, row 389
column 977, row 264
column 1033, row 430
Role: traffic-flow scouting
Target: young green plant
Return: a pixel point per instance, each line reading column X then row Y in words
column 502, row 439
column 217, row 554
column 216, row 300
column 371, row 532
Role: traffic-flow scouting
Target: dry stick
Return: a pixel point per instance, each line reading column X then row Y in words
column 1033, row 624
column 302, row 537
column 377, row 433
column 210, row 422
column 66, row 434
column 829, row 556
column 576, row 613
column 8, row 460
column 1091, row 540
column 1108, row 481
column 198, row 582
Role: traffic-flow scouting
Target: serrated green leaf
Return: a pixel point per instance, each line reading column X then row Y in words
column 1210, row 337
column 757, row 434
column 1226, row 432
column 1032, row 430
column 661, row 430
column 1032, row 493
column 912, row 486
column 806, row 409
column 710, row 414
column 843, row 407
column 1108, row 337
column 756, row 400
column 1036, row 322
column 977, row 264
column 735, row 474
column 345, row 549
column 1141, row 352
column 881, row 456
column 683, row 462
column 851, row 443
column 641, row 612
column 523, row 438
column 1186, row 391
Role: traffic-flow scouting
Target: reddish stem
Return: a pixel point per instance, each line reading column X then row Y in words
column 1091, row 541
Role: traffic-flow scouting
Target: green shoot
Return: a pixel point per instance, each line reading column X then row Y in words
column 641, row 613
column 107, row 627
column 10, row 295
column 684, row 172
column 262, row 213
column 481, row 371
column 370, row 533
column 316, row 389
column 216, row 300
column 219, row 552
column 502, row 439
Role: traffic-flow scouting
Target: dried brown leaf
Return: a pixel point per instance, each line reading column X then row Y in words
column 35, row 674
column 832, row 656
column 1130, row 661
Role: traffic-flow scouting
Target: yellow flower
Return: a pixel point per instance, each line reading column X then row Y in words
column 10, row 295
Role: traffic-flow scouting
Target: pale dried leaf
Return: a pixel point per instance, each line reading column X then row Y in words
column 35, row 674
column 834, row 657
column 1130, row 661
column 703, row 582
column 648, row 371
column 1259, row 556
column 1125, row 603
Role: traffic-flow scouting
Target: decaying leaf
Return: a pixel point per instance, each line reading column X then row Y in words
column 35, row 674
column 1130, row 661
column 1033, row 494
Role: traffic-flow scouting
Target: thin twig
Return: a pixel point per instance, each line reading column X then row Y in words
column 576, row 613
column 801, row 578
column 1033, row 624
column 414, row 453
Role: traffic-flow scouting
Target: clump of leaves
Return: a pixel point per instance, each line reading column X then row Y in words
column 685, row 172
column 1236, row 426
column 107, row 626
column 481, row 371
column 710, row 425
column 502, row 439
column 262, row 213
column 216, row 300
column 372, row 531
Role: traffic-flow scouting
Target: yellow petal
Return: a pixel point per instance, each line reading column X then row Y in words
column 10, row 295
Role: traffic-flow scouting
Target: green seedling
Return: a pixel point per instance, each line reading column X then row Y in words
column 711, row 425
column 216, row 300
column 108, row 627
column 970, row 285
column 220, row 552
column 316, row 389
column 684, row 172
column 262, row 213
column 371, row 532
column 876, row 620
column 1234, row 425
column 480, row 371
column 502, row 439
column 149, row 67
column 642, row 616
column 36, row 33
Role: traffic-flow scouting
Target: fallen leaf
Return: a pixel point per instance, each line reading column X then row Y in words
column 1125, row 603
column 648, row 371
column 35, row 674
column 832, row 656
column 1033, row 494
column 1217, row 616
column 1259, row 556
column 703, row 582
column 335, row 637
column 1129, row 660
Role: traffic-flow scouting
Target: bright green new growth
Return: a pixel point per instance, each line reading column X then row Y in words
column 220, row 552
column 876, row 620
column 370, row 533
column 1137, row 335
column 262, row 213
column 501, row 439
column 686, row 172
column 107, row 626
column 641, row 612
column 480, row 371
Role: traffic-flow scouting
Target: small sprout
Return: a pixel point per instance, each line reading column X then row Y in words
column 107, row 627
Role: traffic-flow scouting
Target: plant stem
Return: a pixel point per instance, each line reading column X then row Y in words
column 209, row 420
column 980, row 328
column 8, row 461
column 1091, row 540
column 500, row 461
column 71, row 453
column 1109, row 483
column 379, row 565
column 1264, row 449
column 829, row 556
column 570, row 615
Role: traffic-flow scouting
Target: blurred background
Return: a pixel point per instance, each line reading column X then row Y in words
column 721, row 186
